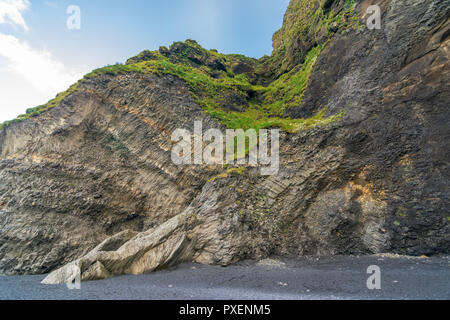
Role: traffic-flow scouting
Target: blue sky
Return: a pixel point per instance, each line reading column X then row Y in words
column 40, row 56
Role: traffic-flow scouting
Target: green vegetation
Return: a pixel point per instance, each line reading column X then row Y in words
column 115, row 70
column 289, row 89
column 239, row 171
column 220, row 92
column 350, row 3
column 309, row 22
column 116, row 144
column 211, row 93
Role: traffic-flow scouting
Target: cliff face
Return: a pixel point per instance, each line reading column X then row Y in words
column 97, row 164
column 363, row 158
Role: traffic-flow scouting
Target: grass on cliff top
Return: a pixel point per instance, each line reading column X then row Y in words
column 211, row 92
column 303, row 18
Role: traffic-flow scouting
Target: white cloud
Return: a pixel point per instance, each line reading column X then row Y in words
column 28, row 76
column 10, row 11
column 46, row 74
column 17, row 95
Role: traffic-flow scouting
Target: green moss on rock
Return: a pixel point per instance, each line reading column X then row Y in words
column 230, row 87
column 308, row 23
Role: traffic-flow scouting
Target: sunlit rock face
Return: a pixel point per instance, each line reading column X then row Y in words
column 88, row 185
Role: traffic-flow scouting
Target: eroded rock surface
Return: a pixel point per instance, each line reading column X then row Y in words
column 97, row 169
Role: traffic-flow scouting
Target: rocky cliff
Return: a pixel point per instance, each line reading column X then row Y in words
column 86, row 181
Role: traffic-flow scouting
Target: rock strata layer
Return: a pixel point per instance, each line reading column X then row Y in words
column 96, row 168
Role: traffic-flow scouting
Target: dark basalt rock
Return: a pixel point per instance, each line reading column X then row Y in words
column 377, row 181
